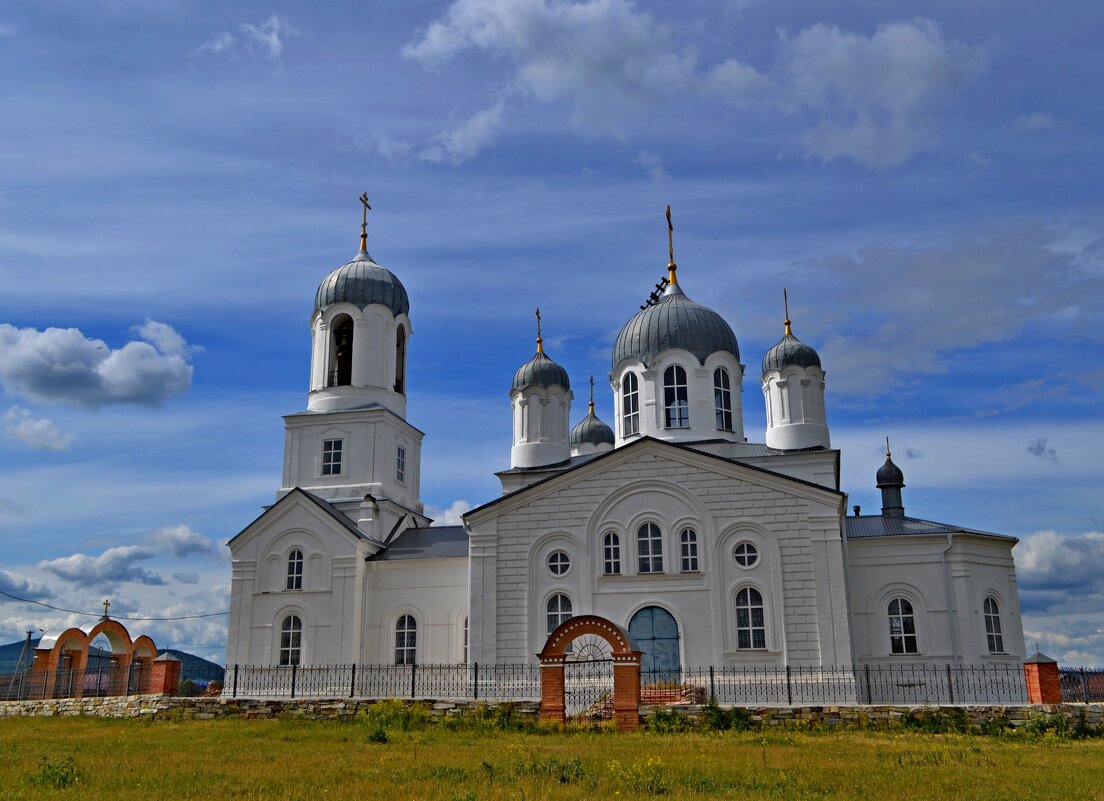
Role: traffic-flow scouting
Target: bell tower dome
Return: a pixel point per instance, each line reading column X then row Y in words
column 793, row 389
column 540, row 399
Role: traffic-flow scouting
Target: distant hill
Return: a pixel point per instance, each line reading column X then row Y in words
column 192, row 667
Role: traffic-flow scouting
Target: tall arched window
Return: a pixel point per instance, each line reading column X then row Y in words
column 630, row 405
column 611, row 554
column 688, row 542
column 294, row 570
column 291, row 640
column 676, row 403
column 341, row 366
column 722, row 398
column 751, row 622
column 649, row 549
column 400, row 361
column 993, row 626
column 902, row 627
column 406, row 640
column 557, row 611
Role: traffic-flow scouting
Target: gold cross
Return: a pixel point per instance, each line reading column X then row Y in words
column 364, row 222
column 540, row 342
column 670, row 236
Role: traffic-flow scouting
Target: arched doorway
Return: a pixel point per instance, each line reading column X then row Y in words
column 655, row 632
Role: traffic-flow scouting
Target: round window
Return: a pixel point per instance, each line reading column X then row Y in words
column 746, row 554
column 558, row 563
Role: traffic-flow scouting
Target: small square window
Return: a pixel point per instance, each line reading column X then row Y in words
column 331, row 457
column 400, row 464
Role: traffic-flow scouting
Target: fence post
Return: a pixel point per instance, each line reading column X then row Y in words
column 475, row 681
column 413, row 680
column 294, row 669
column 869, row 689
column 352, row 681
column 1084, row 686
column 789, row 687
column 712, row 686
column 130, row 677
column 234, row 691
column 950, row 684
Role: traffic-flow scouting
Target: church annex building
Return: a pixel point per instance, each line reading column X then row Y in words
column 708, row 548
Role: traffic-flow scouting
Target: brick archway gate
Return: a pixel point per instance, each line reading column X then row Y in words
column 626, row 669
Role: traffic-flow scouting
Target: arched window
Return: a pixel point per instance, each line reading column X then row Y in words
column 630, row 405
column 557, row 611
column 688, row 542
column 400, row 361
column 676, row 403
column 406, row 640
column 902, row 627
column 611, row 555
column 649, row 549
column 465, row 641
column 341, row 366
column 291, row 640
column 294, row 570
column 751, row 625
column 993, row 626
column 722, row 398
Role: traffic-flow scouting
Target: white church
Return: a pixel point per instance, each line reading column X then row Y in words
column 707, row 548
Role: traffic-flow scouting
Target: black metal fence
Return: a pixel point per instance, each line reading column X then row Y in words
column 93, row 682
column 1084, row 685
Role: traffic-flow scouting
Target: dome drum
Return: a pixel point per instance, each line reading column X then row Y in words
column 362, row 283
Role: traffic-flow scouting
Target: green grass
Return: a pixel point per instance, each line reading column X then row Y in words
column 299, row 759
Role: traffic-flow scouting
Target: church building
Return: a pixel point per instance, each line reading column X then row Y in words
column 707, row 548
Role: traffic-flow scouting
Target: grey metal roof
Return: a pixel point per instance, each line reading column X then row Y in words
column 743, row 450
column 557, row 467
column 674, row 321
column 880, row 526
column 790, row 351
column 362, row 282
column 590, row 430
column 436, row 542
column 889, row 475
column 542, row 371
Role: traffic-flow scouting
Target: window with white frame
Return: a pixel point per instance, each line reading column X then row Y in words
column 649, row 549
column 722, row 398
column 676, row 401
column 611, row 554
column 558, row 563
column 745, row 554
column 902, row 627
column 630, row 405
column 294, row 570
column 406, row 640
column 688, row 542
column 751, row 621
column 995, row 639
column 331, row 457
column 557, row 611
column 400, row 463
column 291, row 640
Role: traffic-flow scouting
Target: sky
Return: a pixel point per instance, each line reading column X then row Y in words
column 177, row 176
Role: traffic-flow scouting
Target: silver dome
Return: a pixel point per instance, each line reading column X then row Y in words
column 674, row 321
column 790, row 351
column 362, row 282
column 542, row 371
column 591, row 430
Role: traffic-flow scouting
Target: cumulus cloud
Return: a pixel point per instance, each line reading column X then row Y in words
column 467, row 139
column 38, row 434
column 1038, row 448
column 181, row 541
column 114, row 566
column 266, row 40
column 452, row 515
column 1061, row 571
column 186, row 578
column 652, row 164
column 1035, row 122
column 62, row 365
column 23, row 587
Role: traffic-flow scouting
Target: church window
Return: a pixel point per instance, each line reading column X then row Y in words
column 406, row 640
column 400, row 463
column 722, row 398
column 649, row 549
column 902, row 627
column 745, row 554
column 676, row 403
column 400, row 361
column 558, row 610
column 331, row 457
column 630, row 405
column 993, row 626
column 291, row 640
column 558, row 563
column 611, row 555
column 295, row 570
column 688, row 541
column 465, row 641
column 751, row 628
column 341, row 371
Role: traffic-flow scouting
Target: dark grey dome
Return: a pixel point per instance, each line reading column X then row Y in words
column 674, row 321
column 789, row 352
column 890, row 475
column 591, row 430
column 542, row 371
column 362, row 282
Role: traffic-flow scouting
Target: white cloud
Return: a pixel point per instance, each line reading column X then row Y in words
column 1035, row 122
column 265, row 40
column 186, row 578
column 453, row 515
column 113, row 566
column 181, row 541
column 467, row 139
column 221, row 44
column 40, row 435
column 62, row 365
column 653, row 165
column 23, row 587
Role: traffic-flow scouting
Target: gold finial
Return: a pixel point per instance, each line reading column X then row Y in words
column 106, row 605
column 364, row 223
column 786, row 301
column 592, row 394
column 671, row 266
column 540, row 342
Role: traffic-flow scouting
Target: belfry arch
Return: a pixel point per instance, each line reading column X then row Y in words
column 626, row 669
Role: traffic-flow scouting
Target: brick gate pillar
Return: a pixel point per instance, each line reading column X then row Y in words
column 552, row 708
column 626, row 691
column 164, row 675
column 1044, row 684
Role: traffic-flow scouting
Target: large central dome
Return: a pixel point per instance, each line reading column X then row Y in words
column 362, row 282
column 674, row 321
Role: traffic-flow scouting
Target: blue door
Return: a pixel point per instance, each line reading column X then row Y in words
column 656, row 634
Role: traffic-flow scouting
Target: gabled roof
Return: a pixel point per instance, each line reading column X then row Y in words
column 436, row 542
column 328, row 508
column 866, row 526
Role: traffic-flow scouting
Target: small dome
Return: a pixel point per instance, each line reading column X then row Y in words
column 674, row 321
column 789, row 352
column 591, row 430
column 890, row 475
column 542, row 371
column 362, row 282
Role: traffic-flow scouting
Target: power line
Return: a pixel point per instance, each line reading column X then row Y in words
column 113, row 617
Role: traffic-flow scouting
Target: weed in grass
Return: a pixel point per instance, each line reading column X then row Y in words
column 564, row 771
column 57, row 775
column 642, row 776
column 468, row 796
column 378, row 735
column 397, row 716
column 667, row 721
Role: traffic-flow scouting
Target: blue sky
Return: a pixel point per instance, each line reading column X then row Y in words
column 176, row 177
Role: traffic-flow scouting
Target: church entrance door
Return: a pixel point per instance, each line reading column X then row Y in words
column 656, row 634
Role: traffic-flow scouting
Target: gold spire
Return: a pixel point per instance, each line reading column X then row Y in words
column 786, row 301
column 592, row 394
column 671, row 266
column 540, row 342
column 364, row 223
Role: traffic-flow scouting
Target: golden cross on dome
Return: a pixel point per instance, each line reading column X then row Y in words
column 786, row 302
column 592, row 394
column 364, row 222
column 540, row 342
column 671, row 266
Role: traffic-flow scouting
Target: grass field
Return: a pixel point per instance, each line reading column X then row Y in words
column 400, row 759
